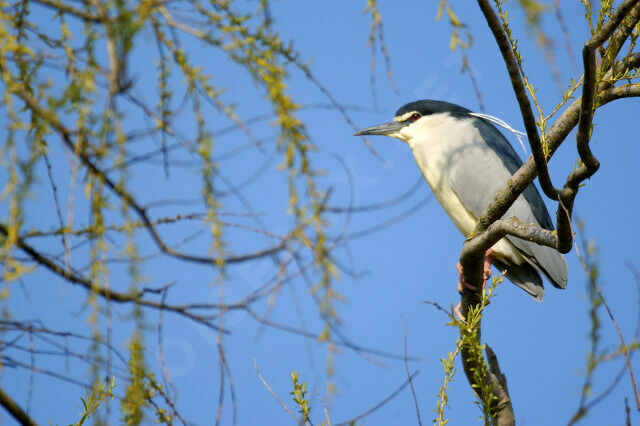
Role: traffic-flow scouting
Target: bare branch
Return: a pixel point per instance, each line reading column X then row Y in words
column 621, row 35
column 255, row 363
column 108, row 294
column 510, row 226
column 58, row 6
column 590, row 164
column 353, row 420
column 523, row 100
column 406, row 368
column 503, row 406
column 14, row 409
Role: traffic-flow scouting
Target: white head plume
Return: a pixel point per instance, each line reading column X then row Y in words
column 501, row 123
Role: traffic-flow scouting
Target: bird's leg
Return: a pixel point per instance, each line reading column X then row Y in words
column 463, row 284
column 488, row 258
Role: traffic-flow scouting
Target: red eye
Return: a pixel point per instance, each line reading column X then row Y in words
column 415, row 117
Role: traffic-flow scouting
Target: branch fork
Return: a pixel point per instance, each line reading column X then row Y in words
column 492, row 226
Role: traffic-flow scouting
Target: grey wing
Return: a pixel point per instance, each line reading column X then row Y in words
column 477, row 178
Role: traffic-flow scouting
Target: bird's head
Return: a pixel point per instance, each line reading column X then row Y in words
column 413, row 119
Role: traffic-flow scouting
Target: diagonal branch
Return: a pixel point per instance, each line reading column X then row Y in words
column 621, row 35
column 60, row 7
column 111, row 295
column 15, row 410
column 67, row 136
column 521, row 95
column 589, row 86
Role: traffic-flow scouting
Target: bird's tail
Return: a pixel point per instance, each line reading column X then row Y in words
column 524, row 276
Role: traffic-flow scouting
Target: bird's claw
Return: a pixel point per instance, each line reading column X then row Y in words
column 456, row 310
column 462, row 284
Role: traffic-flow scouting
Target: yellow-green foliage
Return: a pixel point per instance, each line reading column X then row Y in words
column 376, row 20
column 377, row 34
column 456, row 26
column 534, row 11
column 137, row 393
column 469, row 343
column 91, row 43
column 300, row 396
column 99, row 392
column 448, row 365
column 20, row 172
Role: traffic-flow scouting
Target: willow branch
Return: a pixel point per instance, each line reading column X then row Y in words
column 67, row 136
column 489, row 228
column 555, row 136
column 109, row 294
column 510, row 226
column 622, row 34
column 15, row 410
column 503, row 410
column 60, row 7
column 590, row 163
column 499, row 383
column 521, row 95
column 626, row 91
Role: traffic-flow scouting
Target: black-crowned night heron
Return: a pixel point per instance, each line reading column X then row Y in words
column 466, row 160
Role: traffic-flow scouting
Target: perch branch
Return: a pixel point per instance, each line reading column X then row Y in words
column 489, row 228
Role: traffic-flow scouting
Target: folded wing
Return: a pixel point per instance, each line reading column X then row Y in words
column 477, row 178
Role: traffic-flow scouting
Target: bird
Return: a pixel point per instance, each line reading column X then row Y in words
column 466, row 160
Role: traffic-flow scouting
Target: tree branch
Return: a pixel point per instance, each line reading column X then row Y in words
column 489, row 228
column 108, row 294
column 626, row 91
column 67, row 136
column 60, row 7
column 590, row 163
column 621, row 35
column 521, row 95
column 15, row 410
column 498, row 380
column 510, row 226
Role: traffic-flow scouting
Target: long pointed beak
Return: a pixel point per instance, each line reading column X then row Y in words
column 381, row 129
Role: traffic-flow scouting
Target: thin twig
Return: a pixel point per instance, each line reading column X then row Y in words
column 627, row 412
column 406, row 367
column 54, row 190
column 255, row 363
column 565, row 35
column 615, row 324
column 324, row 407
column 393, row 394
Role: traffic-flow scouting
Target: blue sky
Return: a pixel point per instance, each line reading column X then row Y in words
column 541, row 347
